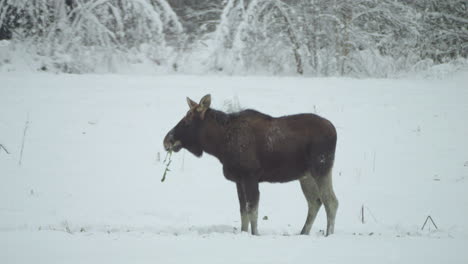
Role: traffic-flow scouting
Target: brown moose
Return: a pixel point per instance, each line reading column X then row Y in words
column 255, row 147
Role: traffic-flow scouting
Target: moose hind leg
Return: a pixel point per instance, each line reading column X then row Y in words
column 327, row 195
column 311, row 193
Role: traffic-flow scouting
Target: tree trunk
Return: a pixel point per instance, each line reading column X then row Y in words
column 294, row 42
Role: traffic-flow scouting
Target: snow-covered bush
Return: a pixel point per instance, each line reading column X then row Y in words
column 232, row 105
column 267, row 39
column 358, row 38
column 92, row 35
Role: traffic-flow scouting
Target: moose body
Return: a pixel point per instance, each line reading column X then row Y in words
column 254, row 147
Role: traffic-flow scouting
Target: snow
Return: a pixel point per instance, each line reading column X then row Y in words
column 88, row 189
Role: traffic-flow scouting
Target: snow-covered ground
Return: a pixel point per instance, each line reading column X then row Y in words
column 88, row 188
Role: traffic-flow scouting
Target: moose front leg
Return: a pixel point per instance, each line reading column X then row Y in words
column 243, row 208
column 249, row 197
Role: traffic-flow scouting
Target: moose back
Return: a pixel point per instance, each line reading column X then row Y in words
column 255, row 147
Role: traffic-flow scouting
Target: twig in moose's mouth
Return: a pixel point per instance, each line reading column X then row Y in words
column 167, row 161
column 3, row 147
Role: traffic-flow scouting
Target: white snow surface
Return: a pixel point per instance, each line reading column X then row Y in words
column 88, row 189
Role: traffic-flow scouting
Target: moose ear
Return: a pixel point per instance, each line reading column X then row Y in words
column 191, row 103
column 204, row 105
column 205, row 101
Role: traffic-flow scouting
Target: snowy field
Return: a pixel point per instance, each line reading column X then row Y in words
column 87, row 189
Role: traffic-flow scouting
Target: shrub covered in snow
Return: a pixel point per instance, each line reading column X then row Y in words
column 95, row 35
column 359, row 38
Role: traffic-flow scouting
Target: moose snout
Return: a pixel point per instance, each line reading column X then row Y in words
column 170, row 144
column 168, row 141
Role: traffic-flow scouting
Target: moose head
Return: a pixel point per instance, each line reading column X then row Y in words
column 186, row 133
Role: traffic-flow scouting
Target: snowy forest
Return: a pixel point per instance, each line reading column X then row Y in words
column 92, row 169
column 358, row 38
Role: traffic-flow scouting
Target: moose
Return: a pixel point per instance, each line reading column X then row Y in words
column 254, row 147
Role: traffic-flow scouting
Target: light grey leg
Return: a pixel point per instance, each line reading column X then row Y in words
column 243, row 208
column 253, row 217
column 327, row 195
column 249, row 196
column 244, row 222
column 311, row 193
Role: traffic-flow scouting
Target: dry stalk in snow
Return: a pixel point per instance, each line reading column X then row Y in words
column 26, row 125
column 3, row 147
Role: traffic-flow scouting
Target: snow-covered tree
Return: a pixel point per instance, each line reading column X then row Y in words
column 267, row 38
column 311, row 37
column 80, row 34
column 444, row 29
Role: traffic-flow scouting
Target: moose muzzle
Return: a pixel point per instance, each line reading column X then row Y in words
column 170, row 144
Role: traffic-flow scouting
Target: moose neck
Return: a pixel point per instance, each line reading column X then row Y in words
column 213, row 132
